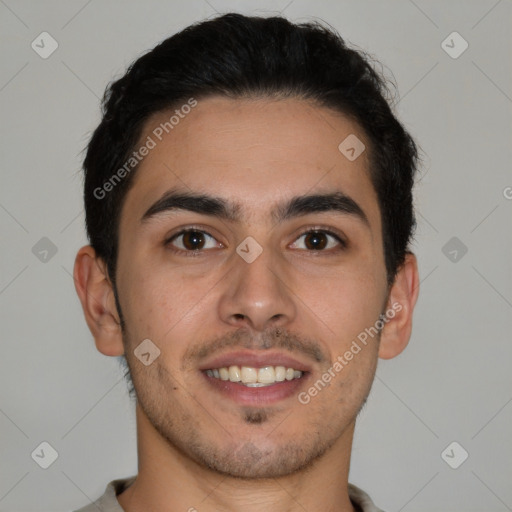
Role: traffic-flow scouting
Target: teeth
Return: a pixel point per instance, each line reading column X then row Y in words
column 280, row 373
column 249, row 374
column 234, row 374
column 255, row 377
column 266, row 375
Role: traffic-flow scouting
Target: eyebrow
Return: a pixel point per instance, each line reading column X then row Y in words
column 297, row 206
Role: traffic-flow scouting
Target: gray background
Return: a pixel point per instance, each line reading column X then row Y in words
column 453, row 382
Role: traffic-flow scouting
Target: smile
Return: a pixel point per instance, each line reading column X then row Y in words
column 254, row 377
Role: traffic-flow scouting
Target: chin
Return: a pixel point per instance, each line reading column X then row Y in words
column 252, row 460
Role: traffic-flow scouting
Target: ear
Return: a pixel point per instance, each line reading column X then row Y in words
column 402, row 299
column 97, row 297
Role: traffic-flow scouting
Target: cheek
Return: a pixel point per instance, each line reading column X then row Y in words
column 345, row 307
column 160, row 304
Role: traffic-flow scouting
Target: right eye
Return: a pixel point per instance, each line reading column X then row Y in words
column 191, row 240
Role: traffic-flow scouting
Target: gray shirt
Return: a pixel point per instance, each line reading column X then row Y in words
column 108, row 502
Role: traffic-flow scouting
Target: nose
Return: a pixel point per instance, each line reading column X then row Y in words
column 257, row 294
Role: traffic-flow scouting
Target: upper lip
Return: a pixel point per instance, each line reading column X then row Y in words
column 257, row 359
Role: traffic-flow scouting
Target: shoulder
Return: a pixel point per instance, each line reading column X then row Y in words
column 108, row 501
column 361, row 499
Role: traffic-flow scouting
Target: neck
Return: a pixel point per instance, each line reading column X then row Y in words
column 168, row 480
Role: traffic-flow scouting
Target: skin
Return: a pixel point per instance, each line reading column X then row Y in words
column 196, row 447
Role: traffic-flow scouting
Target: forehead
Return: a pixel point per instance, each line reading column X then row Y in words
column 253, row 152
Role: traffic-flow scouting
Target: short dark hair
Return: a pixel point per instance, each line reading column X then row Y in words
column 237, row 56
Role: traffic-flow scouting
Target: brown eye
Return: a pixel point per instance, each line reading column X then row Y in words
column 318, row 240
column 191, row 240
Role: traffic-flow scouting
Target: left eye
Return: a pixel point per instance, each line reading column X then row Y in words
column 316, row 240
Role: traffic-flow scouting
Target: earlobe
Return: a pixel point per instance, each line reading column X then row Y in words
column 402, row 299
column 97, row 297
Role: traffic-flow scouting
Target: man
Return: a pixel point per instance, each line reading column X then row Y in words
column 249, row 208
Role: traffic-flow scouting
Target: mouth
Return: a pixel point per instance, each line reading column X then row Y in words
column 250, row 378
column 255, row 377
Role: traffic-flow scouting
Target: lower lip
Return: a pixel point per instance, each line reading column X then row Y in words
column 264, row 395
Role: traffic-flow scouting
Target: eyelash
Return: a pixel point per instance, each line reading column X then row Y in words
column 317, row 229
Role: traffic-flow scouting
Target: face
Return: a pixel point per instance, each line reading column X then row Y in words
column 263, row 278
